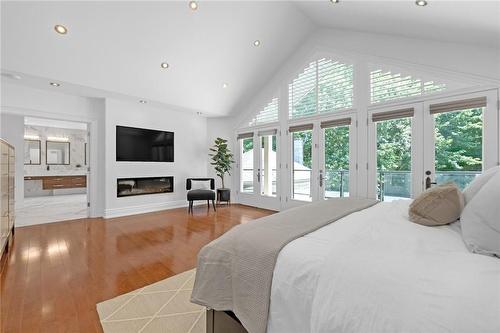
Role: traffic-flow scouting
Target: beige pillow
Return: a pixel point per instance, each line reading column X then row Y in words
column 439, row 205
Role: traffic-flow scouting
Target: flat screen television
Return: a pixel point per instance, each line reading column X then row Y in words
column 144, row 145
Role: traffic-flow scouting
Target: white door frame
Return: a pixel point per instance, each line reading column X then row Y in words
column 490, row 130
column 416, row 151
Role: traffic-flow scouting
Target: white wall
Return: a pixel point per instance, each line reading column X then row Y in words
column 190, row 155
column 221, row 128
column 13, row 132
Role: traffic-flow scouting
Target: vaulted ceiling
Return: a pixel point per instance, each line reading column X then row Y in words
column 115, row 48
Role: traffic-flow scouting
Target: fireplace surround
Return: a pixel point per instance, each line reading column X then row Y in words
column 126, row 187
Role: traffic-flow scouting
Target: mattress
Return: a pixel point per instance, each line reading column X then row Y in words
column 375, row 271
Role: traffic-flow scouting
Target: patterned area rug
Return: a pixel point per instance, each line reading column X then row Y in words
column 160, row 307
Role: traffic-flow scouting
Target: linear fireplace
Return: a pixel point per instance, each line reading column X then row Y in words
column 127, row 187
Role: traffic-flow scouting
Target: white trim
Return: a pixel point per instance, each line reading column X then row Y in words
column 147, row 208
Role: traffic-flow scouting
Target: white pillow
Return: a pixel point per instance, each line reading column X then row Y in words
column 481, row 219
column 474, row 187
column 200, row 184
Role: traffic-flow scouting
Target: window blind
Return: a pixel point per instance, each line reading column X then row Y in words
column 336, row 123
column 268, row 132
column 302, row 93
column 324, row 86
column 396, row 114
column 245, row 135
column 386, row 86
column 335, row 85
column 268, row 114
column 465, row 104
column 300, row 128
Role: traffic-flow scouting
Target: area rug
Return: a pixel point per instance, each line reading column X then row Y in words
column 160, row 307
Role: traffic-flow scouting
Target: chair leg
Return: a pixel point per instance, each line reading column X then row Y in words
column 190, row 207
column 213, row 204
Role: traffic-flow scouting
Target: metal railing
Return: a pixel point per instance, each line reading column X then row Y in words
column 391, row 184
column 397, row 184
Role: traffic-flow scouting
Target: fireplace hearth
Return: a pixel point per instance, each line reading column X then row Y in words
column 127, row 187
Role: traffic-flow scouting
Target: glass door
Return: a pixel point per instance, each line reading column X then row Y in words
column 394, row 153
column 301, row 164
column 461, row 134
column 337, row 158
column 259, row 169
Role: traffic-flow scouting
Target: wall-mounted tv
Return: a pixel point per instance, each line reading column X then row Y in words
column 144, row 145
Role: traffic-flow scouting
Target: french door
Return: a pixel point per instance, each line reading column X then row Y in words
column 259, row 168
column 460, row 137
column 415, row 146
column 395, row 152
column 322, row 161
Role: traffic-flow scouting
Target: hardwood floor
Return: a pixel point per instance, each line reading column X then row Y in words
column 56, row 273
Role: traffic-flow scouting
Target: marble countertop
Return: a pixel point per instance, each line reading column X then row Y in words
column 56, row 174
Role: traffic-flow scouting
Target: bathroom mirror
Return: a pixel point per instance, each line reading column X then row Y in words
column 57, row 152
column 32, row 152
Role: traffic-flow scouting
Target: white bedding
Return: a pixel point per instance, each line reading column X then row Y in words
column 374, row 271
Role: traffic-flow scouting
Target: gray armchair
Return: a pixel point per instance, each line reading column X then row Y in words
column 200, row 194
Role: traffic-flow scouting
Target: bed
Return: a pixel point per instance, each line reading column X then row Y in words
column 375, row 271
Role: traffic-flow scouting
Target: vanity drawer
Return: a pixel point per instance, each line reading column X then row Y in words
column 55, row 182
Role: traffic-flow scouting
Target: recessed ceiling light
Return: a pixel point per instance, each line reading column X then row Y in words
column 193, row 5
column 55, row 84
column 61, row 29
column 164, row 65
column 224, row 85
column 142, row 101
column 334, row 1
column 256, row 43
column 421, row 3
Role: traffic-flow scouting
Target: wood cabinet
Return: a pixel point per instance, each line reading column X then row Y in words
column 7, row 188
column 60, row 182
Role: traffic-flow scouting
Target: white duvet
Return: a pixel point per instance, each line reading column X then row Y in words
column 375, row 271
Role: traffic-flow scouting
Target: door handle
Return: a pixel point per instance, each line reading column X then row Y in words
column 428, row 181
column 321, row 179
column 258, row 176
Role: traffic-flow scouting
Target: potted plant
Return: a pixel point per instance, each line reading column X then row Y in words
column 222, row 158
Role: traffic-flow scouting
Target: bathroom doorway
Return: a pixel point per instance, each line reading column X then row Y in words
column 56, row 171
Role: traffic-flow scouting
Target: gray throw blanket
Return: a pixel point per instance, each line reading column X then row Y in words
column 235, row 271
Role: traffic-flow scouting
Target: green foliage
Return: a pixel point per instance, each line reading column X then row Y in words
column 337, row 148
column 222, row 158
column 306, row 138
column 394, row 145
column 459, row 140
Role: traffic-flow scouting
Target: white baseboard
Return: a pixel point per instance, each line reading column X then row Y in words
column 149, row 208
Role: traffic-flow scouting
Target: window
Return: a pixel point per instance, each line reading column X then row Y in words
column 268, row 114
column 301, row 162
column 324, row 86
column 386, row 86
column 246, row 162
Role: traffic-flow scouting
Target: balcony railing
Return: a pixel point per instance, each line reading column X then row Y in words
column 397, row 184
column 391, row 185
